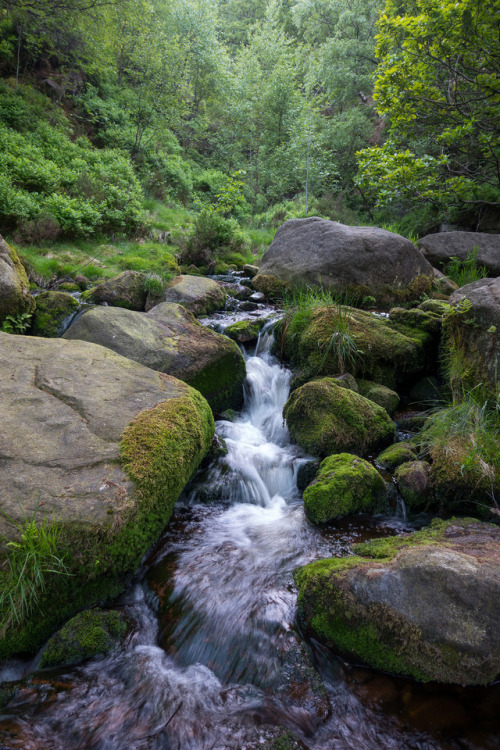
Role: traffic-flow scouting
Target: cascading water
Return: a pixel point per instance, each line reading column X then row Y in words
column 208, row 662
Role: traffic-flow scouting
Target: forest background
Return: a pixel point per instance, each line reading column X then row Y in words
column 216, row 120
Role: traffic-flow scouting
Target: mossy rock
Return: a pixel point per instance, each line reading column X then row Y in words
column 346, row 380
column 245, row 331
column 436, row 306
column 345, row 484
column 395, row 455
column 413, row 482
column 273, row 288
column 324, row 418
column 125, row 290
column 385, row 355
column 52, row 310
column 15, row 297
column 88, row 634
column 68, row 286
column 197, row 294
column 408, row 321
column 425, row 605
column 379, row 394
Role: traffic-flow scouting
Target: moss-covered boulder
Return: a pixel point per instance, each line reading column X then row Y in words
column 100, row 446
column 437, row 306
column 425, row 605
column 395, row 455
column 199, row 295
column 15, row 297
column 91, row 633
column 379, row 394
column 324, row 418
column 170, row 339
column 125, row 290
column 311, row 340
column 345, row 484
column 413, row 482
column 244, row 331
column 53, row 309
column 271, row 286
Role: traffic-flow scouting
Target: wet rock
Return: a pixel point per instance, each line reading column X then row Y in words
column 169, row 339
column 344, row 484
column 245, row 330
column 324, row 418
column 425, row 605
column 115, row 444
column 15, row 298
column 52, row 311
column 307, row 471
column 125, row 290
column 413, row 482
column 440, row 248
column 362, row 260
column 395, row 455
column 199, row 295
column 250, row 270
column 379, row 394
column 257, row 297
column 247, row 306
column 238, row 291
column 88, row 634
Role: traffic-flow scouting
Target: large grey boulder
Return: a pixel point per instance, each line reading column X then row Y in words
column 199, row 295
column 99, row 445
column 170, row 339
column 15, row 298
column 439, row 248
column 475, row 329
column 425, row 605
column 361, row 260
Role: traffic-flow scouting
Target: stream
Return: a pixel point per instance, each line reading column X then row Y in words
column 214, row 660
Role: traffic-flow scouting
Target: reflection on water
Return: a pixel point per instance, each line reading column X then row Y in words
column 214, row 660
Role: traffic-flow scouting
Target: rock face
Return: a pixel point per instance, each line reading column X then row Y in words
column 345, row 484
column 474, row 331
column 425, row 605
column 324, row 418
column 169, row 339
column 52, row 311
column 389, row 352
column 101, row 446
column 15, row 298
column 439, row 248
column 363, row 260
column 125, row 290
column 199, row 295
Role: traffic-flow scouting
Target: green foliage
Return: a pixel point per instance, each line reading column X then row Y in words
column 466, row 271
column 213, row 237
column 29, row 561
column 17, row 323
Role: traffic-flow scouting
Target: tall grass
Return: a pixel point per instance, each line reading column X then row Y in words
column 28, row 562
column 466, row 271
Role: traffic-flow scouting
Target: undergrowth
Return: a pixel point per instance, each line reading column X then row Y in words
column 466, row 271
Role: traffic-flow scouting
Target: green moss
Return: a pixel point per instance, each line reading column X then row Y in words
column 271, row 286
column 388, row 547
column 387, row 356
column 379, row 394
column 245, row 330
column 345, row 484
column 395, row 455
column 286, row 740
column 68, row 286
column 325, row 418
column 52, row 309
column 221, row 382
column 89, row 634
column 413, row 482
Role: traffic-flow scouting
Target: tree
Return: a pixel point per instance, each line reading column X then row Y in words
column 438, row 82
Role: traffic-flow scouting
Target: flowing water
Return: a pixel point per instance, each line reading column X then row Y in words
column 214, row 660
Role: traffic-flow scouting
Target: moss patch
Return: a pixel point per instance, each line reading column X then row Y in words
column 89, row 634
column 52, row 309
column 325, row 418
column 245, row 330
column 395, row 455
column 221, row 382
column 345, row 484
column 413, row 482
column 379, row 394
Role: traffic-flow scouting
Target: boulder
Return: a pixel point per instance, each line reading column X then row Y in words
column 199, row 295
column 53, row 310
column 324, row 418
column 88, row 634
column 361, row 260
column 425, row 604
column 344, row 484
column 244, row 331
column 441, row 247
column 99, row 445
column 15, row 298
column 383, row 353
column 395, row 455
column 170, row 339
column 379, row 394
column 125, row 290
column 413, row 483
column 472, row 332
column 250, row 270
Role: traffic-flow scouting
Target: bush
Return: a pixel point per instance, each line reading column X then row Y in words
column 466, row 271
column 213, row 237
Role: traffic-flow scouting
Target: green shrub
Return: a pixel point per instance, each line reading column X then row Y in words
column 213, row 237
column 466, row 271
